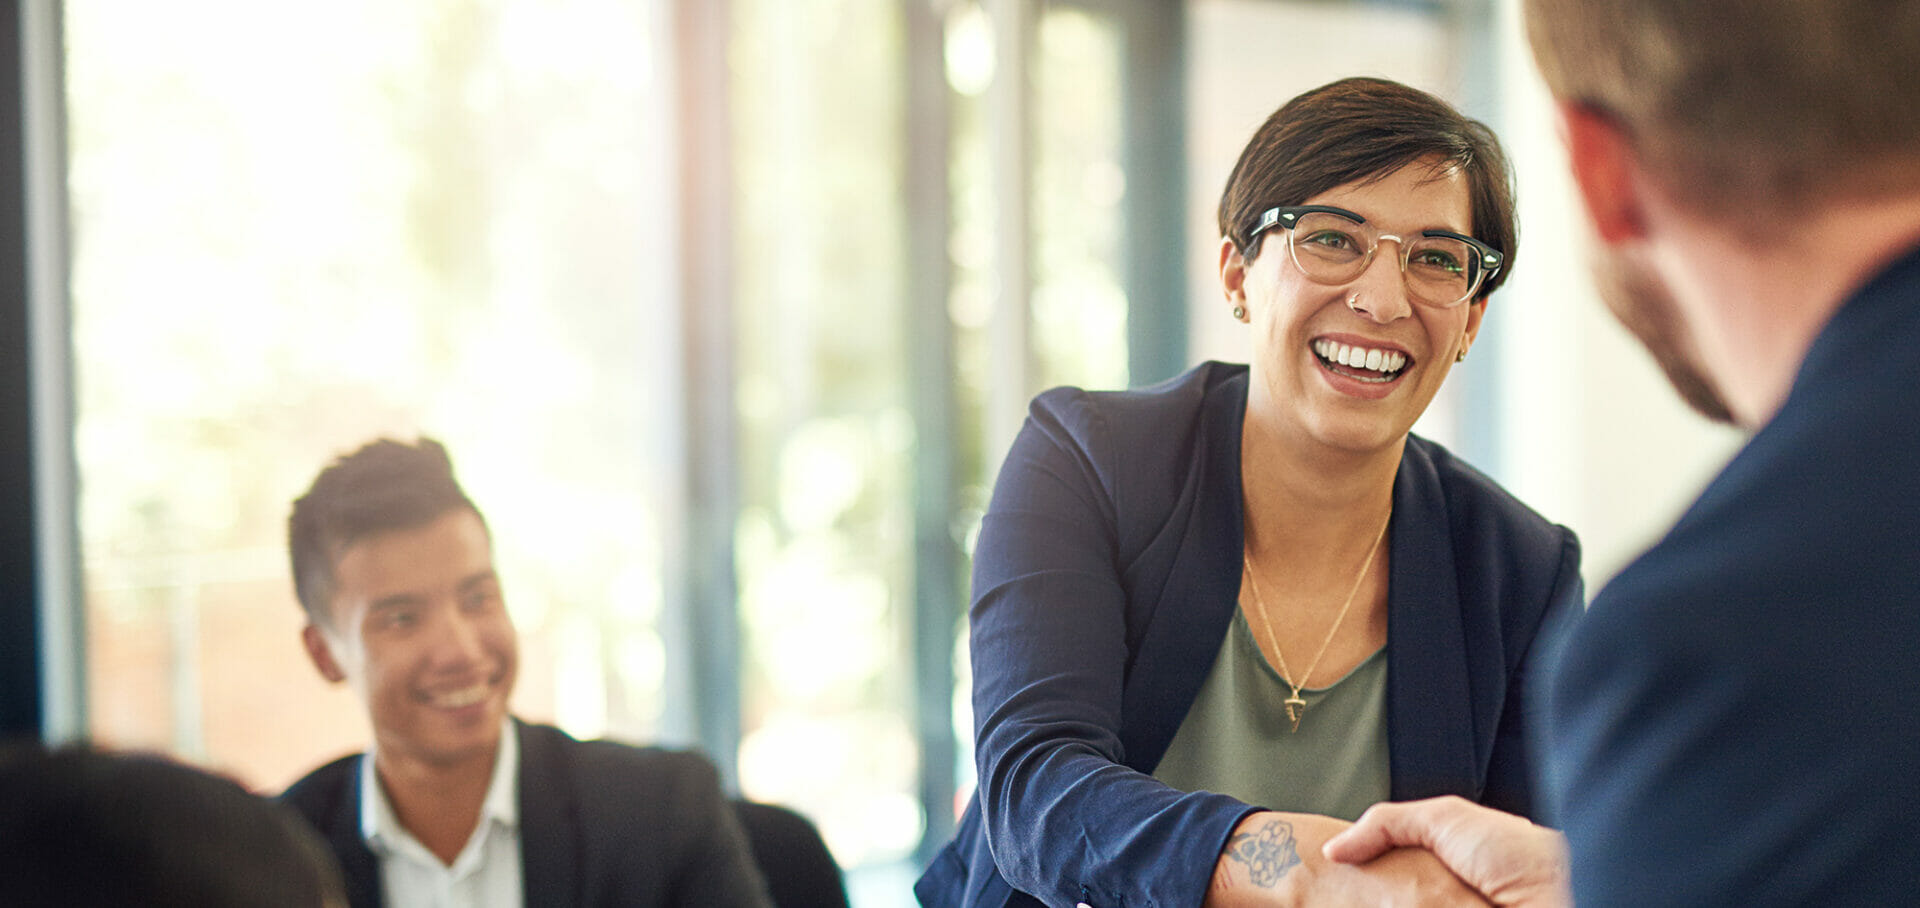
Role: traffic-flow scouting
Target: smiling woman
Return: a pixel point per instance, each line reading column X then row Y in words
column 1298, row 306
column 1199, row 652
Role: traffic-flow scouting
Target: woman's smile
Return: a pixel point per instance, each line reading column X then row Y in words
column 1358, row 369
column 1361, row 362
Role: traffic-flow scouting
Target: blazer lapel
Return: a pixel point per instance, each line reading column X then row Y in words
column 1430, row 716
column 1202, row 591
column 549, row 821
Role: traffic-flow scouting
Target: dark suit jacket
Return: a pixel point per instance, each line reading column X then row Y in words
column 1106, row 577
column 1737, row 722
column 601, row 823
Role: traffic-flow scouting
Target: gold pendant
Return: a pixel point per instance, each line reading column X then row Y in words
column 1295, row 708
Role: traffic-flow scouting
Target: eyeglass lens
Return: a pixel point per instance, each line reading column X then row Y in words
column 1330, row 249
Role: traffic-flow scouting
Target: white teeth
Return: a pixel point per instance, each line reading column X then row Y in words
column 1385, row 361
column 466, row 696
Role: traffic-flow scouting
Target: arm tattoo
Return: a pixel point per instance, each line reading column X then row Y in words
column 1268, row 852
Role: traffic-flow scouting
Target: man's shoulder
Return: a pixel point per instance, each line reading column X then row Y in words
column 602, row 765
column 1820, row 506
column 320, row 792
column 1799, row 553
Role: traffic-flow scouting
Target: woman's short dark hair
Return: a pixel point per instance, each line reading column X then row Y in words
column 385, row 485
column 1362, row 129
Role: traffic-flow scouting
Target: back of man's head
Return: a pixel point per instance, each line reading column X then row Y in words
column 1749, row 107
column 385, row 485
column 83, row 827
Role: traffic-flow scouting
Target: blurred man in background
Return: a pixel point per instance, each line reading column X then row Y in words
column 458, row 803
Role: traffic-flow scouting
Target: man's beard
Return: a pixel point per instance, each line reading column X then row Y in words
column 1643, row 306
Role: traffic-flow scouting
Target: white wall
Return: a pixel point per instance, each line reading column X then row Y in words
column 1595, row 437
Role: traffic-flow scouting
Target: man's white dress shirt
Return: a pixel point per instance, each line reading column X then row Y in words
column 486, row 874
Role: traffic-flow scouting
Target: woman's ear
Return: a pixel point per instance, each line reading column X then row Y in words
column 1233, row 276
column 1605, row 170
column 1476, row 311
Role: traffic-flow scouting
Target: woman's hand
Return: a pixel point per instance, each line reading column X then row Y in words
column 1274, row 859
column 1508, row 859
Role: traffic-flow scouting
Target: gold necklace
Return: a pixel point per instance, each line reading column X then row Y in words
column 1296, row 705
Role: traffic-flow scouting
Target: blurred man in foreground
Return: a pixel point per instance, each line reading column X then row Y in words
column 88, row 827
column 1733, row 722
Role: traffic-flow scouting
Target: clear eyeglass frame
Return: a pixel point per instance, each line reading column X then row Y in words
column 1431, row 282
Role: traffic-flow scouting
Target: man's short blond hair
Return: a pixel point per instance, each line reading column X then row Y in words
column 1746, row 105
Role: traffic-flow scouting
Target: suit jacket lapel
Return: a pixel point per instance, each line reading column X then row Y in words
column 358, row 868
column 1430, row 716
column 550, row 851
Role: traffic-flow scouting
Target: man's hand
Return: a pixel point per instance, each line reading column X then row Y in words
column 1274, row 860
column 1508, row 859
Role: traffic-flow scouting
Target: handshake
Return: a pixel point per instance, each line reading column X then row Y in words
column 1494, row 858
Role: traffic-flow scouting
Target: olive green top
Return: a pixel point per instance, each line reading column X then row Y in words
column 1237, row 740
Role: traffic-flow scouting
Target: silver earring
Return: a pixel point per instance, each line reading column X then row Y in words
column 1239, row 312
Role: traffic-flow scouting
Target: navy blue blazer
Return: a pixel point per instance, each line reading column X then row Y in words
column 1737, row 720
column 601, row 823
column 1105, row 580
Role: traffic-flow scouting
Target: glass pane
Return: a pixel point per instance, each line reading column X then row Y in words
column 824, row 542
column 1079, row 296
column 1078, row 304
column 298, row 226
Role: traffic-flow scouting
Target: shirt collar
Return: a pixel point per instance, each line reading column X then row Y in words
column 380, row 826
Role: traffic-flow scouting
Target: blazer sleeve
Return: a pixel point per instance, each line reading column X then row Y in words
column 1066, row 819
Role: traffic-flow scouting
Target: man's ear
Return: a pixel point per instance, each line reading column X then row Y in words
column 1605, row 170
column 1233, row 273
column 321, row 652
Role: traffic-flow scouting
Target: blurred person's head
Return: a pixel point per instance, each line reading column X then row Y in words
column 1746, row 109
column 394, row 567
column 1350, row 346
column 83, row 827
column 1755, row 119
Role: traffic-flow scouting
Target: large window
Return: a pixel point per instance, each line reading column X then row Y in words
column 297, row 227
column 824, row 554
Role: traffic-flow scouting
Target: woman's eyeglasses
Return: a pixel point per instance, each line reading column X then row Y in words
column 1333, row 246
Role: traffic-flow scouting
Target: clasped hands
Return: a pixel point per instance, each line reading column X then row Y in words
column 1440, row 851
column 1510, row 861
